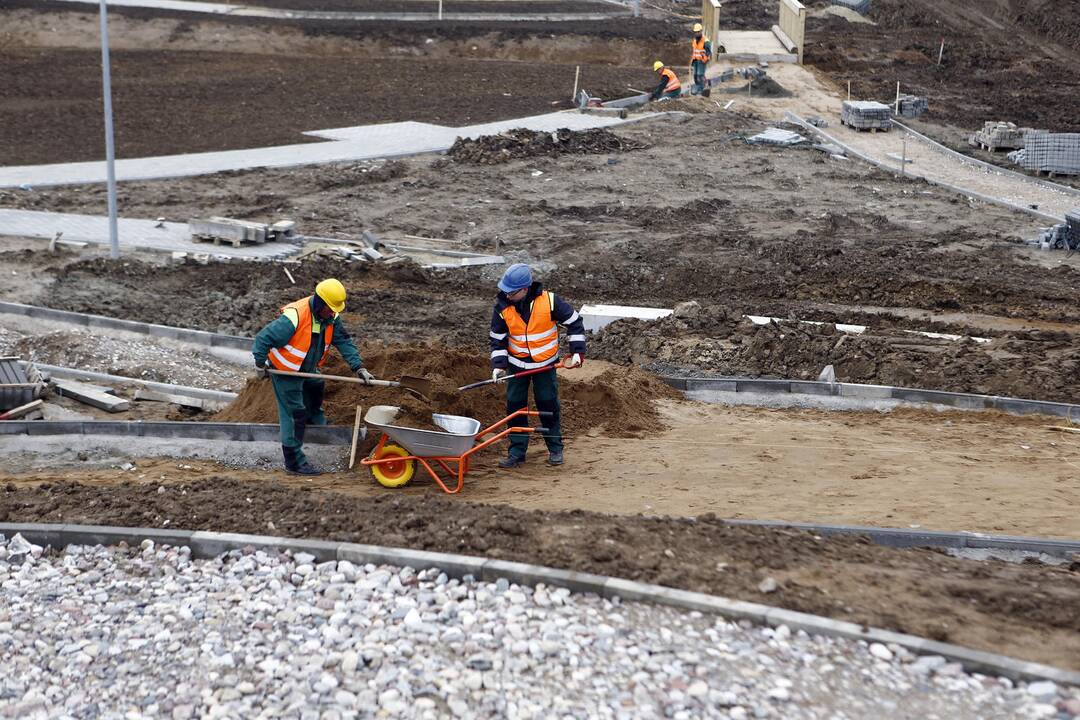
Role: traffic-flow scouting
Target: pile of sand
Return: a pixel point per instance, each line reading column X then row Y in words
column 600, row 398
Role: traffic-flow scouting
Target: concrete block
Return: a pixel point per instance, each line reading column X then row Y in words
column 712, row 384
column 211, row 544
column 164, row 331
column 867, row 392
column 1055, row 548
column 44, row 534
column 813, row 624
column 814, row 388
column 457, row 566
column 771, row 387
column 952, row 399
column 675, row 382
column 526, row 574
column 54, row 428
column 994, row 664
column 1036, row 407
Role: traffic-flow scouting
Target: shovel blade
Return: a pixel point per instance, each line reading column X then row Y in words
column 419, row 385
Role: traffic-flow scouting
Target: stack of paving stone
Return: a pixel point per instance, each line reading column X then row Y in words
column 1057, row 153
column 1072, row 220
column 776, row 136
column 912, row 106
column 997, row 135
column 860, row 6
column 866, row 115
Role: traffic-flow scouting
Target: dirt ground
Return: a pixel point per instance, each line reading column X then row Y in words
column 1024, row 610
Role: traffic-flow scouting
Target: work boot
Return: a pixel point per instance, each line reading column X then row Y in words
column 511, row 461
column 304, row 468
column 555, row 458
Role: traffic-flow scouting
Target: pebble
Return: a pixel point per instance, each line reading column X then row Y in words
column 274, row 636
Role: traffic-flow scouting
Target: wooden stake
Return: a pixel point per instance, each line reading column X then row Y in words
column 291, row 278
column 849, row 90
column 1059, row 428
column 897, row 97
column 903, row 158
column 941, row 51
column 440, row 9
column 355, row 437
column 577, row 76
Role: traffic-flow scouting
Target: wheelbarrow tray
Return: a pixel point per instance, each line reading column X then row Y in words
column 459, row 438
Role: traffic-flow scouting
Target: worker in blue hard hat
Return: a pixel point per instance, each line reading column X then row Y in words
column 525, row 336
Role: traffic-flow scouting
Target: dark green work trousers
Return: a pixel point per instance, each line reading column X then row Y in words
column 546, row 392
column 299, row 403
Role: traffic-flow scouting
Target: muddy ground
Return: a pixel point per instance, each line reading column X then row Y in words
column 1024, row 610
column 756, row 230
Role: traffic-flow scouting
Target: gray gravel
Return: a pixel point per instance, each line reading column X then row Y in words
column 148, row 632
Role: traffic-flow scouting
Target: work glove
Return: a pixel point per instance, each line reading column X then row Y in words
column 498, row 374
column 261, row 371
column 363, row 374
column 575, row 361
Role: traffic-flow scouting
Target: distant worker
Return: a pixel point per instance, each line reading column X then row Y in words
column 299, row 341
column 525, row 336
column 699, row 58
column 669, row 87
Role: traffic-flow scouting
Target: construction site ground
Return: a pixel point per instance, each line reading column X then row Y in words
column 696, row 214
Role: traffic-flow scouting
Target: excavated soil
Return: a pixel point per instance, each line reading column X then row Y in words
column 1040, row 364
column 618, row 401
column 1024, row 610
column 517, row 144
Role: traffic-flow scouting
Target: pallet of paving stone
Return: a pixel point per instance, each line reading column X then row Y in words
column 866, row 115
column 1052, row 153
column 1072, row 222
column 227, row 231
column 912, row 106
column 996, row 135
column 16, row 389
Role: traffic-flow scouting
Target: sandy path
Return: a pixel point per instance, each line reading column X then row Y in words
column 953, row 471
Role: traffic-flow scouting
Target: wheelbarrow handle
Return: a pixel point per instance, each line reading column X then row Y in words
column 508, row 376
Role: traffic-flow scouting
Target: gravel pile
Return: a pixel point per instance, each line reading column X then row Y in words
column 149, row 632
column 143, row 359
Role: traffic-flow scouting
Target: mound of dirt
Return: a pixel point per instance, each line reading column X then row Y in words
column 616, row 401
column 520, row 143
column 360, row 174
column 759, row 87
column 717, row 339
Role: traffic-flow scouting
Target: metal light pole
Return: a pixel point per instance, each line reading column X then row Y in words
column 110, row 155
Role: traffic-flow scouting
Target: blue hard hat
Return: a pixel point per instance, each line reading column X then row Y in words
column 516, row 277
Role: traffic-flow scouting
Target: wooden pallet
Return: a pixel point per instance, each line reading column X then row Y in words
column 213, row 239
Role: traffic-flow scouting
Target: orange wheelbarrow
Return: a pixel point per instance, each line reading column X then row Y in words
column 394, row 463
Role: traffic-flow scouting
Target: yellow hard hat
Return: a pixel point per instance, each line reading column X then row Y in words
column 332, row 293
column 697, row 27
column 657, row 65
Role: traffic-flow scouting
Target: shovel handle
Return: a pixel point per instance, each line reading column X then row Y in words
column 508, row 376
column 342, row 378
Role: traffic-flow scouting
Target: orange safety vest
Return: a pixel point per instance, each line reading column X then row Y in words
column 291, row 357
column 699, row 50
column 672, row 80
column 538, row 339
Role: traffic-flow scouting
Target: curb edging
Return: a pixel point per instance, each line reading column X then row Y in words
column 963, row 401
column 235, row 432
column 211, row 544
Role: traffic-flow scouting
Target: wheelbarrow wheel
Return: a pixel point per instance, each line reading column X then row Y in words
column 393, row 474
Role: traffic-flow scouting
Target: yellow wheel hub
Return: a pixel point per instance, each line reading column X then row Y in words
column 395, row 473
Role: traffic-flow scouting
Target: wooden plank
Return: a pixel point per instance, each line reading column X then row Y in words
column 87, row 394
column 185, row 400
column 22, row 410
column 355, row 438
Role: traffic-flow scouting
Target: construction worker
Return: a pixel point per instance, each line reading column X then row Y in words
column 700, row 55
column 669, row 86
column 299, row 341
column 525, row 336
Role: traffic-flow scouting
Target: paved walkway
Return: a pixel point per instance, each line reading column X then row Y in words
column 207, row 8
column 141, row 234
column 366, row 142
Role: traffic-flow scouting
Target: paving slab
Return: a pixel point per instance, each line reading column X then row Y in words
column 132, row 234
column 350, row 144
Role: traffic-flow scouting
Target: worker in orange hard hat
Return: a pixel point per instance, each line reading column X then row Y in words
column 700, row 55
column 669, row 87
column 299, row 341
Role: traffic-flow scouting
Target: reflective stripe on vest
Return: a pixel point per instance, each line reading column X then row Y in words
column 699, row 50
column 672, row 80
column 291, row 355
column 535, row 343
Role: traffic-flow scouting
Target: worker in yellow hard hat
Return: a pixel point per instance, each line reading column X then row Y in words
column 298, row 340
column 700, row 55
column 669, row 87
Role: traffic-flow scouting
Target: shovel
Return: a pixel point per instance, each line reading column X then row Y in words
column 506, row 377
column 418, row 385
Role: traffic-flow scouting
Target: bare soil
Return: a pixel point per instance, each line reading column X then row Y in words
column 1024, row 610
